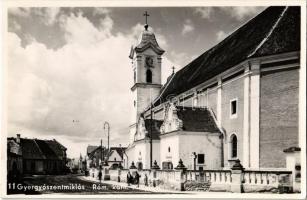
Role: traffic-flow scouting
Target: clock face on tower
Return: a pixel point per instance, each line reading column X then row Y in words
column 149, row 62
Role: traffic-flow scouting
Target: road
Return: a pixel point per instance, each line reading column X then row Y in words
column 68, row 184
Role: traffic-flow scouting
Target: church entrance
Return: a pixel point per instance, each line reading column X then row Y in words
column 167, row 165
column 140, row 165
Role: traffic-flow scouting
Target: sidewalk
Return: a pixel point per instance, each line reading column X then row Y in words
column 141, row 187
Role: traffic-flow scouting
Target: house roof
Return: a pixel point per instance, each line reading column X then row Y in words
column 41, row 149
column 30, row 149
column 119, row 150
column 90, row 149
column 56, row 147
column 197, row 119
column 275, row 30
column 93, row 151
column 156, row 124
column 46, row 150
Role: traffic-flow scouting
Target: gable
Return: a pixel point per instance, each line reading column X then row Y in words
column 114, row 154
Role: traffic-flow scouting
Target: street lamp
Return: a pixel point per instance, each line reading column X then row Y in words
column 107, row 125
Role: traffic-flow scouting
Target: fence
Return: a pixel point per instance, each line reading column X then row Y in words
column 235, row 180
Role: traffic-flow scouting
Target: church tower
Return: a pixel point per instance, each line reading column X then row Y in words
column 146, row 68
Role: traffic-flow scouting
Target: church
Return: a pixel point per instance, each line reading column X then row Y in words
column 237, row 100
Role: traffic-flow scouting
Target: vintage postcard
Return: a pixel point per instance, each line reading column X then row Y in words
column 141, row 99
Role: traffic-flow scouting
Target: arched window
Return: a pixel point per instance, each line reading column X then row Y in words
column 169, row 149
column 148, row 76
column 234, row 146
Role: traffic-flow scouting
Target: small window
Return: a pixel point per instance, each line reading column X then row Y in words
column 148, row 76
column 169, row 149
column 201, row 158
column 134, row 76
column 234, row 146
column 233, row 108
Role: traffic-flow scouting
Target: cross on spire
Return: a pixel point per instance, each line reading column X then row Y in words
column 146, row 15
column 173, row 69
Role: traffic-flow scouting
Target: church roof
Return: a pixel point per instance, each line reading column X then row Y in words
column 156, row 124
column 275, row 30
column 197, row 119
column 148, row 39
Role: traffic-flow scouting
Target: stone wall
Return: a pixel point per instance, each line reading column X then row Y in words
column 278, row 116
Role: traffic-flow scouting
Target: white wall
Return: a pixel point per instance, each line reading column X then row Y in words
column 115, row 156
column 184, row 143
column 201, row 143
column 171, row 141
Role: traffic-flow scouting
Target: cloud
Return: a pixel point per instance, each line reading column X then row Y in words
column 220, row 35
column 188, row 27
column 240, row 13
column 205, row 12
column 21, row 12
column 14, row 26
column 88, row 80
column 47, row 16
column 101, row 11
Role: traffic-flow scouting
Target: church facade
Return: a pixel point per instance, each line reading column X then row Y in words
column 238, row 100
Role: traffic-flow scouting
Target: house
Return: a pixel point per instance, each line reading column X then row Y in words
column 94, row 155
column 237, row 100
column 40, row 156
column 116, row 157
column 14, row 159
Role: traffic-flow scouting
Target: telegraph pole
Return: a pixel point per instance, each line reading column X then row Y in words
column 150, row 135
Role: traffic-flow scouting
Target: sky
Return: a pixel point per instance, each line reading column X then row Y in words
column 69, row 71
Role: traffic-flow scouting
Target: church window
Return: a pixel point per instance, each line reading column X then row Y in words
column 169, row 149
column 148, row 76
column 233, row 108
column 134, row 103
column 201, row 158
column 234, row 146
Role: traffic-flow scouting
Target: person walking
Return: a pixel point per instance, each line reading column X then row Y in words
column 129, row 177
column 137, row 178
column 146, row 180
column 100, row 175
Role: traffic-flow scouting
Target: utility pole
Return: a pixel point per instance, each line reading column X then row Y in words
column 108, row 126
column 150, row 135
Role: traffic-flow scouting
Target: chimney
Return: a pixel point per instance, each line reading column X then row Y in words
column 18, row 138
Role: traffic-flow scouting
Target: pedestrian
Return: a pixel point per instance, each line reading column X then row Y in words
column 137, row 178
column 100, row 175
column 129, row 177
column 146, row 180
